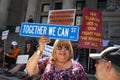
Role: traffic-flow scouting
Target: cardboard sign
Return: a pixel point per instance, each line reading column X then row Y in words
column 64, row 32
column 22, row 59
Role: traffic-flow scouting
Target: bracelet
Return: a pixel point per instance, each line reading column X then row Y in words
column 38, row 52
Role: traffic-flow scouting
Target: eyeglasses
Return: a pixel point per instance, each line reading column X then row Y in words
column 101, row 60
column 63, row 47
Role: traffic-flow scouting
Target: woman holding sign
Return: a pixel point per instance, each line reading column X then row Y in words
column 10, row 58
column 60, row 66
column 29, row 50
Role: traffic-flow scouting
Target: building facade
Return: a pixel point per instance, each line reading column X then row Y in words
column 13, row 12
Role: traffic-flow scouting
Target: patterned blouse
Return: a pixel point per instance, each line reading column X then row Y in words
column 51, row 72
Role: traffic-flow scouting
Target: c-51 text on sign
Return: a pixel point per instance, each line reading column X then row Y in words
column 64, row 32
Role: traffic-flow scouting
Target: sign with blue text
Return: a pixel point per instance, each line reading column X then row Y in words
column 64, row 32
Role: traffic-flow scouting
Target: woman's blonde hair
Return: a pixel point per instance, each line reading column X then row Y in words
column 61, row 43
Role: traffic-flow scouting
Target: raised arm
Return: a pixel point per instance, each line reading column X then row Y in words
column 32, row 64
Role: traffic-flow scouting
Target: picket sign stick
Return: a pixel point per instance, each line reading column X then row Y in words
column 88, row 69
column 4, row 54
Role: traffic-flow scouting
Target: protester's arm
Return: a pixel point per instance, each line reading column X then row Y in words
column 16, row 53
column 32, row 64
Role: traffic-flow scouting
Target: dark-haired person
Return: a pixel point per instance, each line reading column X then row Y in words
column 60, row 66
column 107, row 64
column 30, row 19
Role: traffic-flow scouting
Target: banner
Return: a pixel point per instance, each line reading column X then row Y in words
column 91, row 30
column 63, row 32
column 62, row 17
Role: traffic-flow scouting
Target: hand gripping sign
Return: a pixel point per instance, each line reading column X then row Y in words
column 65, row 32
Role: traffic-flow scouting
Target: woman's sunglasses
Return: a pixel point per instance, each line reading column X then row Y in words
column 63, row 47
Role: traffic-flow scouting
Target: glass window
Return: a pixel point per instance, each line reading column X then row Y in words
column 80, row 5
column 111, row 4
column 45, row 7
column 102, row 4
column 78, row 20
column 58, row 6
column 44, row 19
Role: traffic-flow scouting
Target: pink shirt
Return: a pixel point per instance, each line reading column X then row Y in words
column 51, row 72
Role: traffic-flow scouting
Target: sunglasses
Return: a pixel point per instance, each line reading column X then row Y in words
column 63, row 47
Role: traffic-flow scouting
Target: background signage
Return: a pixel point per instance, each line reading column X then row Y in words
column 91, row 30
column 62, row 17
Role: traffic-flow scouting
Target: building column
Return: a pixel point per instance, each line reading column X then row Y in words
column 4, row 5
column 68, row 4
column 31, row 9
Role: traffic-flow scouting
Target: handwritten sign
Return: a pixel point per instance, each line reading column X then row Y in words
column 62, row 17
column 50, row 30
column 22, row 59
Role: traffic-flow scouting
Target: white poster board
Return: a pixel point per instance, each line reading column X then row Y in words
column 116, row 45
column 5, row 34
column 17, row 29
column 22, row 59
column 48, row 50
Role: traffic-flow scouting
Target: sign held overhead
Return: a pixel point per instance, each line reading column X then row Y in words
column 52, row 31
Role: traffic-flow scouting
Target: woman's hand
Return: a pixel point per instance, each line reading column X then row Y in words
column 7, row 54
column 42, row 41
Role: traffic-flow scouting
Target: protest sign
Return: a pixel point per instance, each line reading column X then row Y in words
column 5, row 34
column 22, row 59
column 62, row 17
column 48, row 50
column 105, row 42
column 91, row 29
column 116, row 45
column 64, row 32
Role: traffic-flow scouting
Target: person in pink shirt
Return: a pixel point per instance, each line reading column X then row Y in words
column 60, row 66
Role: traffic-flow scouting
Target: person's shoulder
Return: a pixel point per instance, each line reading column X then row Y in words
column 77, row 64
column 18, row 49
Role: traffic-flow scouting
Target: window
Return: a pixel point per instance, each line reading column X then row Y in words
column 102, row 4
column 44, row 19
column 58, row 6
column 111, row 4
column 80, row 5
column 78, row 20
column 45, row 7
